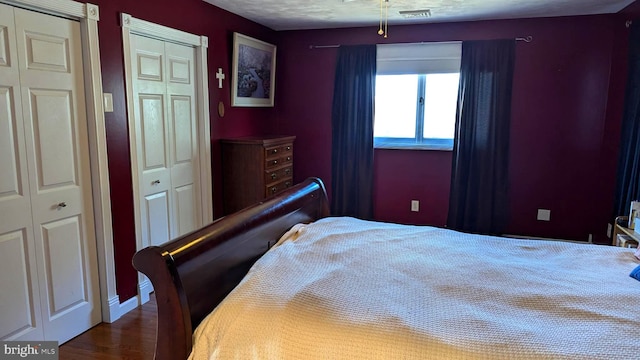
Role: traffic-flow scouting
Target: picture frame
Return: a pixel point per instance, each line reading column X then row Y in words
column 254, row 72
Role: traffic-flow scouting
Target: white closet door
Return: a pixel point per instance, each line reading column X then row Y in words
column 166, row 138
column 183, row 125
column 53, row 103
column 152, row 145
column 20, row 316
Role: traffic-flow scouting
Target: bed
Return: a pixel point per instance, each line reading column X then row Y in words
column 286, row 280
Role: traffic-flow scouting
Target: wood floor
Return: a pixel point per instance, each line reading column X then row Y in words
column 131, row 337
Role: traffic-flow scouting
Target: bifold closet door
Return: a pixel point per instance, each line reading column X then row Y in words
column 20, row 315
column 48, row 59
column 166, row 138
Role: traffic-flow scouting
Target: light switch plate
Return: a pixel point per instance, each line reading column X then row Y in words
column 108, row 102
column 415, row 205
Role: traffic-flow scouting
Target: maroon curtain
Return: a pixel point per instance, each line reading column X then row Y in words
column 478, row 201
column 352, row 132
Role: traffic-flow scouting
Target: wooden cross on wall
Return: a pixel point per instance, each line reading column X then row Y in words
column 220, row 76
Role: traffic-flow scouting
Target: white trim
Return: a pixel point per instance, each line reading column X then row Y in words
column 202, row 77
column 114, row 309
column 128, row 305
column 128, row 74
column 65, row 8
column 131, row 25
column 93, row 12
column 149, row 29
column 100, row 166
column 144, row 289
column 122, row 308
column 88, row 15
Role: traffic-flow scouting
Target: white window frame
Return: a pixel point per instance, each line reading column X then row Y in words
column 418, row 59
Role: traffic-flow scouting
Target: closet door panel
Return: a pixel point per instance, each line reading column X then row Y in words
column 185, row 170
column 66, row 274
column 55, row 130
column 20, row 312
column 20, row 309
column 12, row 161
column 53, row 126
column 152, row 139
column 157, row 206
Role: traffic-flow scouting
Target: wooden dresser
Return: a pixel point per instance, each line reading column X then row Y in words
column 254, row 168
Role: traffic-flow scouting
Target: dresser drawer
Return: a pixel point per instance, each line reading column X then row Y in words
column 277, row 175
column 278, row 151
column 274, row 189
column 271, row 163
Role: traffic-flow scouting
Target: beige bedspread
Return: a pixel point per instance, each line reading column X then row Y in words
column 343, row 288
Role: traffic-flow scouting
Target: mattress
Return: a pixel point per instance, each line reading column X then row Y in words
column 342, row 288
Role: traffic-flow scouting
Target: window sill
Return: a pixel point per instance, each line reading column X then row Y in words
column 434, row 145
column 413, row 147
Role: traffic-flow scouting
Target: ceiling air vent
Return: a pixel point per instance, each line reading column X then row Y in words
column 415, row 14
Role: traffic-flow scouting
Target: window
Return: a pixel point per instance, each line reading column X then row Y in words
column 416, row 95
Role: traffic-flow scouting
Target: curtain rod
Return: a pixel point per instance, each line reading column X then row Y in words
column 526, row 39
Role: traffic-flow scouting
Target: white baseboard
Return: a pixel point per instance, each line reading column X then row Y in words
column 115, row 310
column 111, row 311
column 129, row 305
column 144, row 289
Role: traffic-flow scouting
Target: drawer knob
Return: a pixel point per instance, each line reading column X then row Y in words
column 62, row 205
column 288, row 158
column 274, row 151
column 275, row 162
column 287, row 171
column 274, row 175
column 274, row 189
column 155, row 182
column 288, row 148
column 287, row 184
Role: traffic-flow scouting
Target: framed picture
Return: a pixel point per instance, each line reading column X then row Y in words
column 254, row 72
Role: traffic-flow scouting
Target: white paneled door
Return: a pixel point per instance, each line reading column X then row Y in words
column 167, row 153
column 48, row 260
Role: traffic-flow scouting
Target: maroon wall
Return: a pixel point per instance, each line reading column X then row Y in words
column 197, row 17
column 565, row 117
column 564, row 133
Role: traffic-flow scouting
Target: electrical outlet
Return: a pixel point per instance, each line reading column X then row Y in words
column 609, row 230
column 415, row 205
column 544, row 215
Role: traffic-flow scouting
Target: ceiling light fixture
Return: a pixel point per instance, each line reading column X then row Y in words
column 384, row 14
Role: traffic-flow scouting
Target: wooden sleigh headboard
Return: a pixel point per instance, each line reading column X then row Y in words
column 192, row 274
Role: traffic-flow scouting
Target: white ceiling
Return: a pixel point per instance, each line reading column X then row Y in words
column 319, row 14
